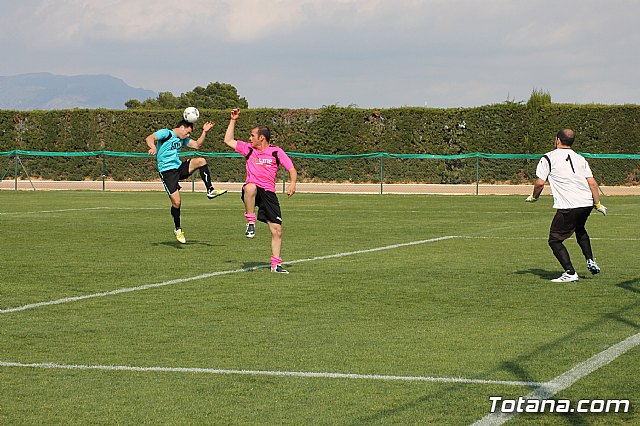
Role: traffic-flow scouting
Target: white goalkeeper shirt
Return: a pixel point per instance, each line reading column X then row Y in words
column 567, row 173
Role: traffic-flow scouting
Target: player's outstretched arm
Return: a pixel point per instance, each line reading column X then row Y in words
column 151, row 143
column 197, row 144
column 229, row 136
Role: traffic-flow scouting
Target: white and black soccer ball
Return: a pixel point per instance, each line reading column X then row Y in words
column 191, row 114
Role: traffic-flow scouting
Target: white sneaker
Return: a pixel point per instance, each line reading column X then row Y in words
column 566, row 278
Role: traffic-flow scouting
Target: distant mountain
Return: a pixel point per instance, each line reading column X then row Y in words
column 50, row 91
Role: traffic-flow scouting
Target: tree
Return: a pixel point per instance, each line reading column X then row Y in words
column 538, row 99
column 214, row 96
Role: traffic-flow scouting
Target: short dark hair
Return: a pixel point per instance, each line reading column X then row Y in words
column 566, row 136
column 184, row 123
column 264, row 131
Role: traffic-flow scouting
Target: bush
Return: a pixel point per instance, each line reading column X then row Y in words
column 509, row 128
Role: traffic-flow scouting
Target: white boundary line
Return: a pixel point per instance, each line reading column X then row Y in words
column 568, row 378
column 544, row 390
column 213, row 274
column 79, row 209
column 107, row 208
column 470, row 237
column 270, row 373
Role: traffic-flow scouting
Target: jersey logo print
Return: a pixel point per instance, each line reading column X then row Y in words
column 265, row 162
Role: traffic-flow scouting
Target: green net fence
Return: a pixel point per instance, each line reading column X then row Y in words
column 380, row 172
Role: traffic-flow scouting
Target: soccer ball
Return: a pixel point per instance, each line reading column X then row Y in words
column 191, row 114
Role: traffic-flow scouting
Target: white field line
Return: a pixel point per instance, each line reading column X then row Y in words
column 270, row 373
column 565, row 380
column 214, row 274
column 393, row 246
column 448, row 212
column 216, row 209
column 471, row 237
column 25, row 213
column 78, row 210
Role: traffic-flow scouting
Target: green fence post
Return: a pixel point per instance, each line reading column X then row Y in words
column 477, row 174
column 381, row 172
column 15, row 176
column 104, row 171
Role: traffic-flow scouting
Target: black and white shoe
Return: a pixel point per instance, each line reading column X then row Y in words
column 279, row 269
column 593, row 267
column 251, row 230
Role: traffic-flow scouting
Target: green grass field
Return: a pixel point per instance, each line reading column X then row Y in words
column 467, row 317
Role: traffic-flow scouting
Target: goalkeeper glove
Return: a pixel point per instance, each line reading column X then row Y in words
column 530, row 199
column 602, row 209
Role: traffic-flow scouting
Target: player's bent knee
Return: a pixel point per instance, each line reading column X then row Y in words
column 555, row 245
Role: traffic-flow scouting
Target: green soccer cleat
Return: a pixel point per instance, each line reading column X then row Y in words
column 215, row 192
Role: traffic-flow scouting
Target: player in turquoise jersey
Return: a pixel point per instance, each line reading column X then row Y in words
column 166, row 144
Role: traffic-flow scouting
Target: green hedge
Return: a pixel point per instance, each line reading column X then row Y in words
column 497, row 129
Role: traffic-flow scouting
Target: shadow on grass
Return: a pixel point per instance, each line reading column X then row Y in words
column 549, row 275
column 516, row 367
column 631, row 285
column 542, row 273
column 180, row 246
column 255, row 265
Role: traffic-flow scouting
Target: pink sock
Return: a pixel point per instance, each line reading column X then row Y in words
column 251, row 217
column 275, row 261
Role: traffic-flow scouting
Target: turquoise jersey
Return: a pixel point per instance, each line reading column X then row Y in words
column 169, row 146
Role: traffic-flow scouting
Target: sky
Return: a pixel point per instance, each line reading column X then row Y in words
column 312, row 53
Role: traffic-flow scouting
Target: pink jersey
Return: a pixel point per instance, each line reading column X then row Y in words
column 262, row 166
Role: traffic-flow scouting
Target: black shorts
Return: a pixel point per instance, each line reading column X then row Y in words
column 171, row 177
column 568, row 221
column 268, row 206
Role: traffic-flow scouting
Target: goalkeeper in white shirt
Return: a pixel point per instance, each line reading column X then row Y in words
column 575, row 195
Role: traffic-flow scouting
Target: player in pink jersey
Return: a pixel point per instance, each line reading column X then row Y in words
column 259, row 189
